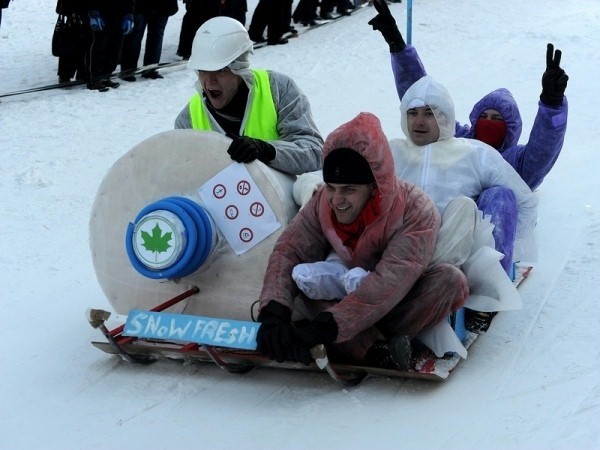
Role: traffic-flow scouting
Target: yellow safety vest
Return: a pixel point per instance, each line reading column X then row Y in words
column 261, row 122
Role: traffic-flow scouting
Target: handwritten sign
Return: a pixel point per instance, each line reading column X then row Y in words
column 238, row 208
column 186, row 328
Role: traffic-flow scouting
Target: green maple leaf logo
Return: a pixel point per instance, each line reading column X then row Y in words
column 156, row 242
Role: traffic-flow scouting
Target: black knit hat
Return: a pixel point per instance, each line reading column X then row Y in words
column 346, row 166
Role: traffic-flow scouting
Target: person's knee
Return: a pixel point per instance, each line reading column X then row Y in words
column 455, row 238
column 497, row 198
column 461, row 203
column 455, row 276
column 461, row 206
column 455, row 282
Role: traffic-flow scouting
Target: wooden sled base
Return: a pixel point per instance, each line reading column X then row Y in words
column 426, row 366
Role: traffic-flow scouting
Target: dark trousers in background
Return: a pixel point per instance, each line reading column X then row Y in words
column 72, row 66
column 132, row 43
column 268, row 14
column 3, row 4
column 73, row 59
column 236, row 9
column 196, row 13
column 306, row 11
column 105, row 50
column 286, row 15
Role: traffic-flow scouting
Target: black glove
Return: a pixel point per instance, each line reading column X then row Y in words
column 274, row 335
column 308, row 333
column 385, row 23
column 554, row 80
column 244, row 150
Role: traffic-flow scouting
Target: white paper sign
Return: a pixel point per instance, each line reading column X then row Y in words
column 238, row 208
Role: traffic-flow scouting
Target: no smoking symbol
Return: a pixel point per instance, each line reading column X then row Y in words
column 243, row 187
column 257, row 209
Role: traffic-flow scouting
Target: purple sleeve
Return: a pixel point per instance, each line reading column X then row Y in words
column 462, row 131
column 534, row 160
column 407, row 68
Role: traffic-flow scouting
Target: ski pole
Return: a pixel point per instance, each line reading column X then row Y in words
column 409, row 22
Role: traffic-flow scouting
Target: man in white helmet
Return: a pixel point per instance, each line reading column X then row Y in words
column 263, row 111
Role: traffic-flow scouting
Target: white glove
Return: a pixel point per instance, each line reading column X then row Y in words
column 320, row 280
column 305, row 186
column 352, row 279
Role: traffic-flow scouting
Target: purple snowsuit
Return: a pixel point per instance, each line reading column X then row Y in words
column 532, row 161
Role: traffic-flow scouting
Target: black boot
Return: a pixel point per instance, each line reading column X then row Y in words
column 152, row 75
column 395, row 354
column 279, row 41
column 97, row 86
column 257, row 39
column 110, row 83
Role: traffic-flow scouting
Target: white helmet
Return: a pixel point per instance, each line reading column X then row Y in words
column 218, row 42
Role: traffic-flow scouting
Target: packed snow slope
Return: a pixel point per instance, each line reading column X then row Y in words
column 530, row 383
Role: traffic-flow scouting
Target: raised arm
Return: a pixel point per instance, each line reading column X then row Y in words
column 534, row 160
column 406, row 64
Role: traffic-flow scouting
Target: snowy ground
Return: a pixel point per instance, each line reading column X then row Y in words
column 530, row 383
